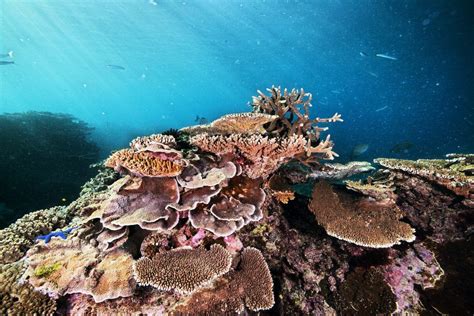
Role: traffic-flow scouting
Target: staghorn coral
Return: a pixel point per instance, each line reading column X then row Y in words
column 143, row 164
column 292, row 120
column 454, row 174
column 21, row 299
column 238, row 123
column 250, row 285
column 363, row 222
column 80, row 268
column 183, row 269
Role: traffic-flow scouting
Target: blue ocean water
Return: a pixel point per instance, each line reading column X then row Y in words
column 130, row 68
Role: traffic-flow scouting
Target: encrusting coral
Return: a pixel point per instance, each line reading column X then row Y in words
column 363, row 222
column 79, row 268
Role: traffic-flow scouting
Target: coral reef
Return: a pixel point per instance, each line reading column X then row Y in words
column 39, row 167
column 209, row 220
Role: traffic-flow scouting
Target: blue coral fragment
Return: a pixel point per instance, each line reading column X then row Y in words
column 63, row 234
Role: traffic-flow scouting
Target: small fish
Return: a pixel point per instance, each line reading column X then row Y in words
column 359, row 149
column 363, row 54
column 402, row 147
column 382, row 108
column 386, row 56
column 200, row 120
column 6, row 62
column 373, row 74
column 9, row 55
column 116, row 67
column 336, row 91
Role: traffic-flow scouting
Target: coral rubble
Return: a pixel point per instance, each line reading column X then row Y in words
column 207, row 220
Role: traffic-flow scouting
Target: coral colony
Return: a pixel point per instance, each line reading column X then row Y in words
column 205, row 220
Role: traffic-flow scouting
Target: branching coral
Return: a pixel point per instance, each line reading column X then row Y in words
column 292, row 120
column 183, row 269
column 363, row 222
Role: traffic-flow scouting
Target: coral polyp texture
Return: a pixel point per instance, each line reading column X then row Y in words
column 183, row 269
column 364, row 222
column 206, row 219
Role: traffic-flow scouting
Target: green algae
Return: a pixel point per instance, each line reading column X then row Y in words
column 46, row 270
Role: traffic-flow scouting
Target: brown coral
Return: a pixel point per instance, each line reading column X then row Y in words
column 183, row 269
column 262, row 155
column 292, row 120
column 21, row 298
column 236, row 205
column 250, row 285
column 144, row 164
column 280, row 189
column 238, row 123
column 363, row 222
column 164, row 141
column 80, row 269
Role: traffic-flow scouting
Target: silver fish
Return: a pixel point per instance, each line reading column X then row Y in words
column 9, row 55
column 386, row 56
column 6, row 62
column 116, row 67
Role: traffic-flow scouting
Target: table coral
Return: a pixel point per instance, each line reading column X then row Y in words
column 250, row 285
column 183, row 269
column 238, row 123
column 361, row 221
column 455, row 174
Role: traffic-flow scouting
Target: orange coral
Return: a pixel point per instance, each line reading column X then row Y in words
column 364, row 222
column 144, row 164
